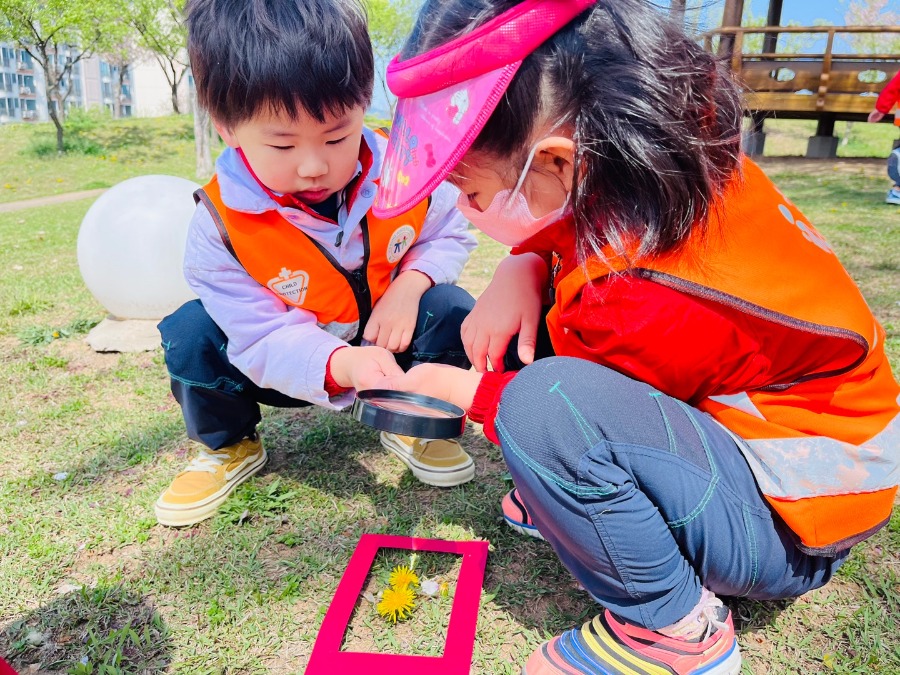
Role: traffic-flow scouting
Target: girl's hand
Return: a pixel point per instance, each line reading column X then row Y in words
column 448, row 383
column 394, row 316
column 876, row 116
column 363, row 367
column 510, row 304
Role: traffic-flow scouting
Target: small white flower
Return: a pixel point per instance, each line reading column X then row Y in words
column 430, row 587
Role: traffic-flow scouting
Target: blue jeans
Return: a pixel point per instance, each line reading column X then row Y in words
column 220, row 404
column 893, row 166
column 644, row 498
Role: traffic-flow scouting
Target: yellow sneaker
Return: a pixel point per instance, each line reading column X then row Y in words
column 200, row 489
column 441, row 463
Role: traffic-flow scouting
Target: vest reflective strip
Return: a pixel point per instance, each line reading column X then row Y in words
column 739, row 401
column 818, row 466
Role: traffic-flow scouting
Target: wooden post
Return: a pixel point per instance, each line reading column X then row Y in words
column 677, row 10
column 731, row 17
column 770, row 40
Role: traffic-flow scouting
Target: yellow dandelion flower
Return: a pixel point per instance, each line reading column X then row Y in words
column 402, row 577
column 396, row 604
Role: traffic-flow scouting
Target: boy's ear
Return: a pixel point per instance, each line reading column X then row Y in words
column 556, row 155
column 226, row 134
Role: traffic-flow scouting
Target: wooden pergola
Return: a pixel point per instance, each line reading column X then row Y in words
column 825, row 86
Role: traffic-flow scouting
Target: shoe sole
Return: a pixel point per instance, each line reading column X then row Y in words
column 730, row 664
column 522, row 528
column 429, row 475
column 182, row 516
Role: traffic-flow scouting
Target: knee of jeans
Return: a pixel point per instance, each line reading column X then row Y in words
column 540, row 425
column 187, row 334
column 447, row 301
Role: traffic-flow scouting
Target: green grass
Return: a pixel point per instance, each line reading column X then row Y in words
column 89, row 583
column 858, row 139
column 125, row 148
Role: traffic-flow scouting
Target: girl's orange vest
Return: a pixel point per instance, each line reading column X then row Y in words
column 824, row 447
column 293, row 266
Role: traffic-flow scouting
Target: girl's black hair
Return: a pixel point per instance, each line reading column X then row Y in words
column 292, row 56
column 656, row 119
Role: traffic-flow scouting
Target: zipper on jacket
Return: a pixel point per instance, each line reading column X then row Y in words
column 359, row 283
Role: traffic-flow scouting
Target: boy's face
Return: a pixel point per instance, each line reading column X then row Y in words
column 308, row 159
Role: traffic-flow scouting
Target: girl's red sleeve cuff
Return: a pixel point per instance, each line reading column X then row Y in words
column 332, row 388
column 487, row 399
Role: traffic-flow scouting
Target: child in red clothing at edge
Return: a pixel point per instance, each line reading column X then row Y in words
column 887, row 99
column 719, row 417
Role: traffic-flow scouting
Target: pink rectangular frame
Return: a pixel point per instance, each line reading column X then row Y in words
column 327, row 657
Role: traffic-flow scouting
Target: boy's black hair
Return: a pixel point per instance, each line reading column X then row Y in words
column 292, row 56
column 656, row 119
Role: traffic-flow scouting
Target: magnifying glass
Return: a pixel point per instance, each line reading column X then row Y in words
column 408, row 414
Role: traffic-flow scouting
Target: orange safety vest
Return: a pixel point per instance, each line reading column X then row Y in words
column 823, row 447
column 302, row 273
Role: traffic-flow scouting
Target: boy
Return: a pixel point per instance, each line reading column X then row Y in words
column 291, row 269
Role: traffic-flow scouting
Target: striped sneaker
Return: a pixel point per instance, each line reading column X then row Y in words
column 516, row 515
column 609, row 646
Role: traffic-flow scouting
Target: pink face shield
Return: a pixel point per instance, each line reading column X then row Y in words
column 447, row 95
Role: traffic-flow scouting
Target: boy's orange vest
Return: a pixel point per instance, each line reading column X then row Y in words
column 823, row 447
column 293, row 266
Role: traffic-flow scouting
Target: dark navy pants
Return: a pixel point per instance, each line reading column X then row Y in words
column 643, row 498
column 221, row 405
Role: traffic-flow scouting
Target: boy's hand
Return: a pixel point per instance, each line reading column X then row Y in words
column 448, row 383
column 363, row 367
column 393, row 319
column 875, row 116
column 510, row 304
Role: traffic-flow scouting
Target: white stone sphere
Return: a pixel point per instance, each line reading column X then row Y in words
column 131, row 246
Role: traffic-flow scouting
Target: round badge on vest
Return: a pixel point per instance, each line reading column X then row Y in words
column 409, row 414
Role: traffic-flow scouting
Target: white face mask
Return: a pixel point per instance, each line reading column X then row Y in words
column 508, row 219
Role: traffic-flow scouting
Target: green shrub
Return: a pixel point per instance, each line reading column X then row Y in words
column 45, row 146
column 80, row 121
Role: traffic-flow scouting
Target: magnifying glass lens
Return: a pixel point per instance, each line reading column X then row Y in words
column 408, row 407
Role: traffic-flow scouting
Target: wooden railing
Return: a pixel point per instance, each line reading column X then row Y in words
column 807, row 84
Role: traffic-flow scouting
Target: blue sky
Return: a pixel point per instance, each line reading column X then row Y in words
column 803, row 12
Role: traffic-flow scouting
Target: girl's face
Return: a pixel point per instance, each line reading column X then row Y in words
column 480, row 176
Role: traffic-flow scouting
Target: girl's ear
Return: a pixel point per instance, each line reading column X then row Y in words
column 226, row 134
column 556, row 155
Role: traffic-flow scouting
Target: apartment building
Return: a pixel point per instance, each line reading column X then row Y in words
column 141, row 91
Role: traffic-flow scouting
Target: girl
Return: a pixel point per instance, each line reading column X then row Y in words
column 720, row 418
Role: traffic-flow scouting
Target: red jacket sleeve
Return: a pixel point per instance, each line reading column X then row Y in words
column 889, row 96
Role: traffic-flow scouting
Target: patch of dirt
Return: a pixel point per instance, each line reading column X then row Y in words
column 856, row 166
column 82, row 358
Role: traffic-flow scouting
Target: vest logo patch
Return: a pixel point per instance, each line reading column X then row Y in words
column 291, row 286
column 400, row 242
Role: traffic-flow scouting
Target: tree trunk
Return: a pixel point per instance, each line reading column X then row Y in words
column 202, row 138
column 174, row 85
column 387, row 95
column 60, row 148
